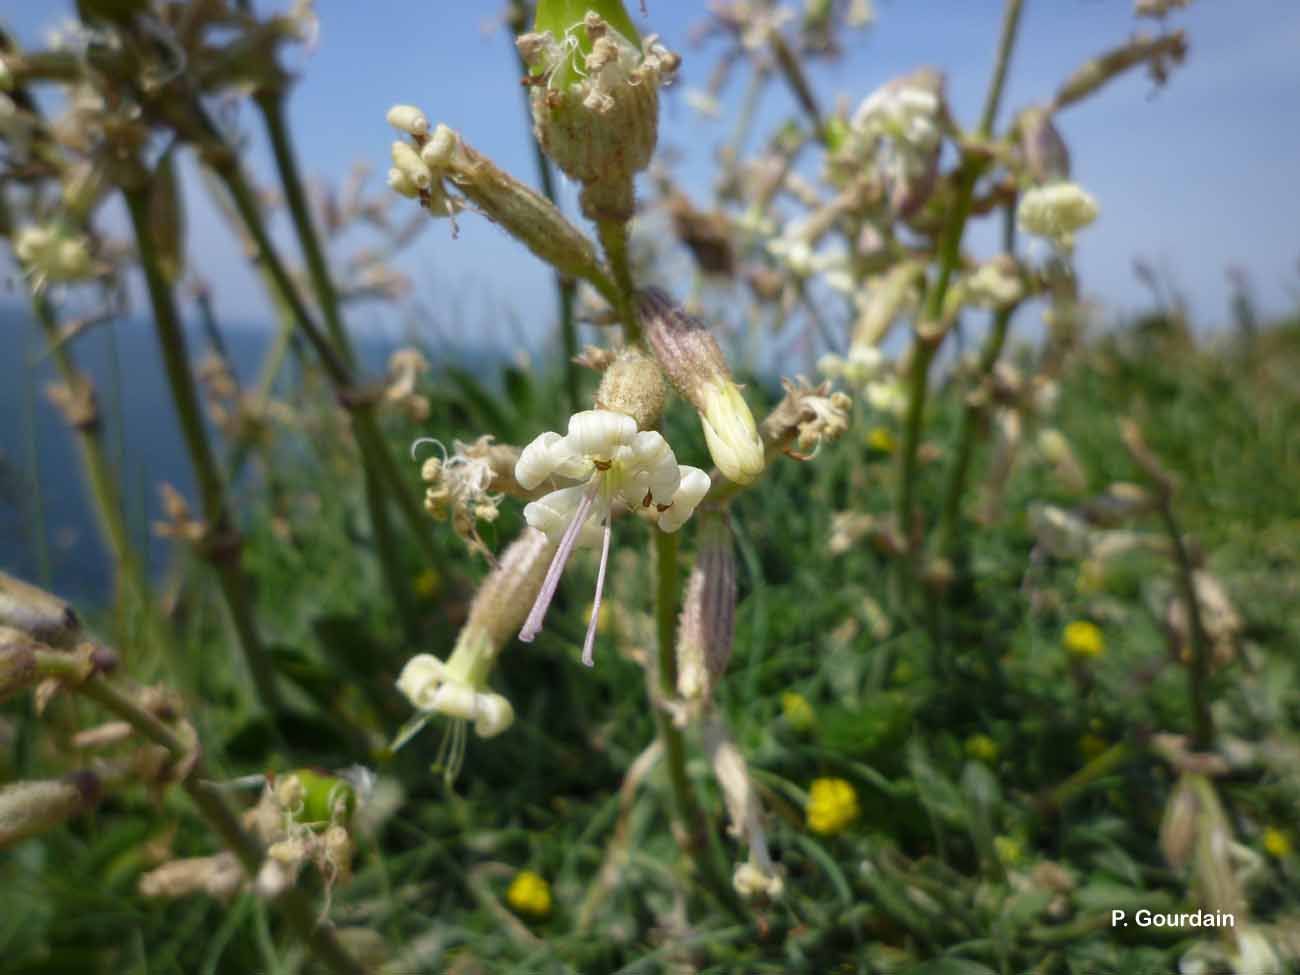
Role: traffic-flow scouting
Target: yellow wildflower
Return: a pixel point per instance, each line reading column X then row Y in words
column 982, row 748
column 832, row 805
column 1083, row 639
column 1008, row 850
column 1277, row 843
column 880, row 440
column 529, row 894
column 796, row 710
column 427, row 583
column 1090, row 746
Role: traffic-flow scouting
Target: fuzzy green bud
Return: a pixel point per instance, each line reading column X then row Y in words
column 694, row 364
column 633, row 384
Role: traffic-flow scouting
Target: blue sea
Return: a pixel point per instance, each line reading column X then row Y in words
column 47, row 526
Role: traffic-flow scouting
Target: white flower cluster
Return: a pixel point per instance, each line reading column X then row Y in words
column 1056, row 211
column 863, row 364
column 51, row 254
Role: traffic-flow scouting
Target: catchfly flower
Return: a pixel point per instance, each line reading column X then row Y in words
column 615, row 464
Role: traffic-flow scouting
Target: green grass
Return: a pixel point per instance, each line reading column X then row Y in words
column 937, row 876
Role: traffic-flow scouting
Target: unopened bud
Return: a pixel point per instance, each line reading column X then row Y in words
column 706, row 629
column 633, row 385
column 402, row 184
column 37, row 613
column 1046, row 156
column 408, row 119
column 694, row 364
column 406, row 159
column 30, row 808
column 527, row 216
column 1178, row 827
column 218, row 876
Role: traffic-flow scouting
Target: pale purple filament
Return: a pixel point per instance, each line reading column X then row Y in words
column 589, row 645
column 533, row 624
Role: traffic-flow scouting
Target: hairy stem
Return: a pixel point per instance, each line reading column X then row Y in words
column 224, row 556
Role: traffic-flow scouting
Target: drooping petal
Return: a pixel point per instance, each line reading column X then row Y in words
column 653, row 459
column 494, row 715
column 548, row 455
column 597, row 434
column 552, row 514
column 694, row 486
column 420, row 679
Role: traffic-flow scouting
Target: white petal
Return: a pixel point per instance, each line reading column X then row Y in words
column 597, row 434
column 420, row 679
column 494, row 715
column 652, row 457
column 694, row 486
column 551, row 514
column 545, row 456
column 455, row 701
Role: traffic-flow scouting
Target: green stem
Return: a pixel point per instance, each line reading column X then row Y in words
column 271, row 104
column 171, row 339
column 210, row 802
column 103, row 486
column 697, row 843
column 614, row 239
column 930, row 336
column 1199, row 675
column 364, row 428
column 990, row 352
column 1114, row 757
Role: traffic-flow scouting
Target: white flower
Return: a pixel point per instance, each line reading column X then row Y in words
column 457, row 688
column 51, row 253
column 994, row 285
column 616, row 465
column 1056, row 211
column 887, row 396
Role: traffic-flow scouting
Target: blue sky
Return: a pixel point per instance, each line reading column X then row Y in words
column 1194, row 177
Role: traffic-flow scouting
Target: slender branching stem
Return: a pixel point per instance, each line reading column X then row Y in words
column 990, row 352
column 565, row 289
column 691, row 821
column 364, row 428
column 271, row 104
column 1199, row 676
column 929, row 335
column 103, row 486
column 224, row 553
column 209, row 801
